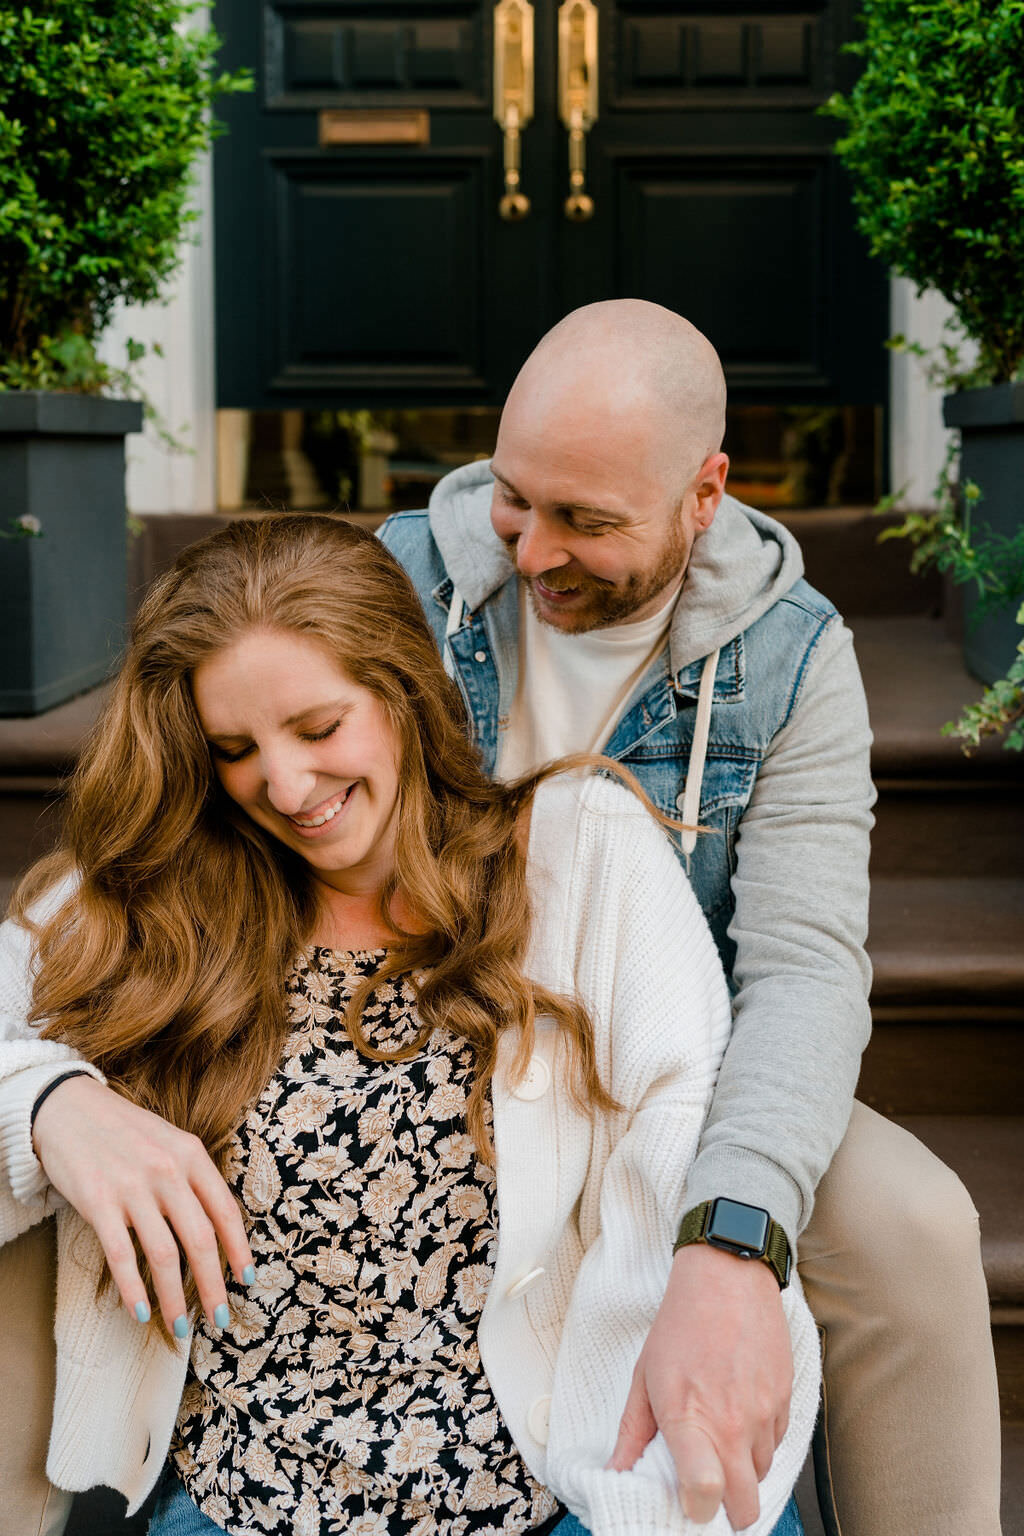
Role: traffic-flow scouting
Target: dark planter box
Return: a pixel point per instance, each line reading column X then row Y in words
column 991, row 423
column 62, row 596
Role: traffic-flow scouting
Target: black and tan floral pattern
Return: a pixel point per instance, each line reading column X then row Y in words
column 347, row 1394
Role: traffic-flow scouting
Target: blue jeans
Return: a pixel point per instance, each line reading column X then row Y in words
column 789, row 1525
column 176, row 1515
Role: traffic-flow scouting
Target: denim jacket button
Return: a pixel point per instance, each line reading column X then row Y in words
column 479, row 655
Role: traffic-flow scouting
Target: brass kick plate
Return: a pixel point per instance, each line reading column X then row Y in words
column 369, row 127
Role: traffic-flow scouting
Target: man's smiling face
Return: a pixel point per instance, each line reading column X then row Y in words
column 590, row 506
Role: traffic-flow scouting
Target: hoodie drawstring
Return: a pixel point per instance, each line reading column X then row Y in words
column 698, row 752
column 455, row 611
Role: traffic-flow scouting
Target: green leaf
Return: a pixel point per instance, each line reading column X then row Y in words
column 104, row 110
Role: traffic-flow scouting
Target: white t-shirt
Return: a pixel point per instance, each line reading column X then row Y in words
column 572, row 689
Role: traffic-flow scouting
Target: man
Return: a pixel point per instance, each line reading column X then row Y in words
column 594, row 588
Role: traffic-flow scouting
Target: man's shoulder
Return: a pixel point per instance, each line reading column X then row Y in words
column 406, row 530
column 409, row 538
column 808, row 599
column 797, row 618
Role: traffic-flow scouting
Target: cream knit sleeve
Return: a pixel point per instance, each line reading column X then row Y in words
column 27, row 1064
column 648, row 970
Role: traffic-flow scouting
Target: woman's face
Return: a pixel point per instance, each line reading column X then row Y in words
column 307, row 754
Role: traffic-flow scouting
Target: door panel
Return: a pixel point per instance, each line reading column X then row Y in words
column 344, row 230
column 423, row 52
column 690, row 62
column 382, row 272
column 738, row 248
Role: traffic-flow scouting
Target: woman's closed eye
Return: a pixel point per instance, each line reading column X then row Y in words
column 227, row 755
column 321, row 735
column 236, row 754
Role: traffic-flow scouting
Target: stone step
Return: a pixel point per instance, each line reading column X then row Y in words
column 1008, row 1333
column 49, row 744
column 987, row 1151
column 942, row 941
column 915, row 681
column 944, row 826
column 843, row 559
column 944, row 1060
column 31, row 812
column 1013, row 1479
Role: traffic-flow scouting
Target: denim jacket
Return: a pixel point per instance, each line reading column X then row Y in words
column 781, row 869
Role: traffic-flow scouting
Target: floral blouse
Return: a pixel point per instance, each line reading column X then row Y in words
column 347, row 1393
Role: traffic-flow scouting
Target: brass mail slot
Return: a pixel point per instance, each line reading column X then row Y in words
column 358, row 127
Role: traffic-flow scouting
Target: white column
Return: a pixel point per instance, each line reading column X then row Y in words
column 917, row 437
column 180, row 384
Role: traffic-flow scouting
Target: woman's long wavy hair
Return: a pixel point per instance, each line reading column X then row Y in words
column 166, row 964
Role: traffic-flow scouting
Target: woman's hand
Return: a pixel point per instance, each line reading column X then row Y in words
column 126, row 1170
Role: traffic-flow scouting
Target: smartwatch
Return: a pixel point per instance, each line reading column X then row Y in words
column 744, row 1230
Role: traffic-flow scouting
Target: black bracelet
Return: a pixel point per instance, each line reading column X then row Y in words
column 41, row 1100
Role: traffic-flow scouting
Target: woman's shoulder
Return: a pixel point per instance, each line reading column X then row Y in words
column 583, row 808
column 46, row 902
column 17, row 935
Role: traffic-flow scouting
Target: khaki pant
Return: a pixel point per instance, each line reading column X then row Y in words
column 29, row 1506
column 892, row 1268
column 891, row 1265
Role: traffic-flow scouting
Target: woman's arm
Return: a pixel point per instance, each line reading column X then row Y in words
column 123, row 1169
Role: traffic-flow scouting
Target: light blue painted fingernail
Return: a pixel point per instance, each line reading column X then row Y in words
column 181, row 1327
column 248, row 1275
column 142, row 1312
column 221, row 1315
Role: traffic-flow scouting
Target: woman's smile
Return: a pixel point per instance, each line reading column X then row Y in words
column 311, row 822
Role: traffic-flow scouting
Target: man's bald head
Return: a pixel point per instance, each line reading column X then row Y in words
column 606, row 468
column 629, row 359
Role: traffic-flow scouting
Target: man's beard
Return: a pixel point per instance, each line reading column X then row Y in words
column 601, row 603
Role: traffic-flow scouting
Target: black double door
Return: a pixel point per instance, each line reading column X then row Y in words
column 362, row 255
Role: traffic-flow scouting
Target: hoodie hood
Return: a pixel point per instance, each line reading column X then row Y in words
column 738, row 569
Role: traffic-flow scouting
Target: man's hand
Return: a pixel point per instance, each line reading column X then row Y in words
column 715, row 1376
column 125, row 1170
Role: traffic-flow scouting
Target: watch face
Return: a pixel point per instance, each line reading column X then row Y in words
column 738, row 1226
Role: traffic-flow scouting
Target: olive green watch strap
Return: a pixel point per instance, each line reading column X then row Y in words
column 699, row 1226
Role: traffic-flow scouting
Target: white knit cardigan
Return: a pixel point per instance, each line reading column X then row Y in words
column 588, row 1210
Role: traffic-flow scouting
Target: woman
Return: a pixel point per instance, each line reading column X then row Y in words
column 332, row 1005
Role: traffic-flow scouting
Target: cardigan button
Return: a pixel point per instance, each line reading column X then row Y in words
column 538, row 1419
column 525, row 1283
column 536, row 1080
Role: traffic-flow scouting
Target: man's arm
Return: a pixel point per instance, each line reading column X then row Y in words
column 800, row 1015
column 717, row 1362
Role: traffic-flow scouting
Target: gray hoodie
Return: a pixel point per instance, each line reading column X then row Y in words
column 800, row 887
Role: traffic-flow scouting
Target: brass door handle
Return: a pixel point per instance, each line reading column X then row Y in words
column 577, row 95
column 513, row 94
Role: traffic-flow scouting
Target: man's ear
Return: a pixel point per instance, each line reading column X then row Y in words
column 709, row 487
